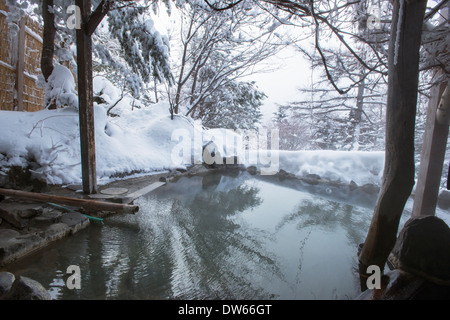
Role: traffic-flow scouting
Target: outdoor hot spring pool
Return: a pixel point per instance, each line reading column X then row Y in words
column 217, row 236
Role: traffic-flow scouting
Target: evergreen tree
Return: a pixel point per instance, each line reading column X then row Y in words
column 235, row 105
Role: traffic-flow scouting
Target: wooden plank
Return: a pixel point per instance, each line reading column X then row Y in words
column 432, row 158
column 141, row 192
column 85, row 98
column 7, row 66
column 89, row 205
column 33, row 34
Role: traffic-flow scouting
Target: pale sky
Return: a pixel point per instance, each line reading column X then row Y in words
column 281, row 86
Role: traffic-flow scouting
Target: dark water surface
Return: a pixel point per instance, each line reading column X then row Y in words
column 214, row 237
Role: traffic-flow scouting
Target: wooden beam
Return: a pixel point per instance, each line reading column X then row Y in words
column 432, row 158
column 89, row 205
column 85, row 97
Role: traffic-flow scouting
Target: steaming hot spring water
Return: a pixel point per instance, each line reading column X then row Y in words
column 224, row 235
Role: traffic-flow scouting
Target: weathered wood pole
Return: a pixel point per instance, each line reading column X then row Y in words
column 434, row 141
column 398, row 175
column 89, row 23
column 432, row 158
column 85, row 100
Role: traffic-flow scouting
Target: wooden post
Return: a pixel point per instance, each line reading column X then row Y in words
column 89, row 22
column 20, row 65
column 85, row 96
column 432, row 158
column 433, row 151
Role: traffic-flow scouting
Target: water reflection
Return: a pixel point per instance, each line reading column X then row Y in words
column 213, row 237
column 206, row 243
column 329, row 215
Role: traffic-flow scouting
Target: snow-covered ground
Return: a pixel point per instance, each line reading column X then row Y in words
column 147, row 140
column 144, row 139
column 49, row 141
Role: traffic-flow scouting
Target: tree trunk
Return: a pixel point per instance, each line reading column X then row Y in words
column 398, row 176
column 358, row 112
column 48, row 45
column 156, row 90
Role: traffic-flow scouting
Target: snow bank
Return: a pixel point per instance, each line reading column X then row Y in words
column 48, row 141
column 339, row 166
column 146, row 140
column 345, row 166
column 113, row 96
column 143, row 139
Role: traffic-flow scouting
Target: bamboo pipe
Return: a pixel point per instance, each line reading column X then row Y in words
column 90, row 205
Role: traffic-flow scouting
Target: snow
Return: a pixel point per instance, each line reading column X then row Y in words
column 143, row 139
column 345, row 166
column 146, row 140
column 48, row 140
column 61, row 87
column 105, row 89
column 7, row 66
column 34, row 34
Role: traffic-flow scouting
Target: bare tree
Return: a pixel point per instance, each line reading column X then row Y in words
column 217, row 49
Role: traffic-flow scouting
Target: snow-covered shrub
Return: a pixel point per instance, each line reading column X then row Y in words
column 60, row 89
